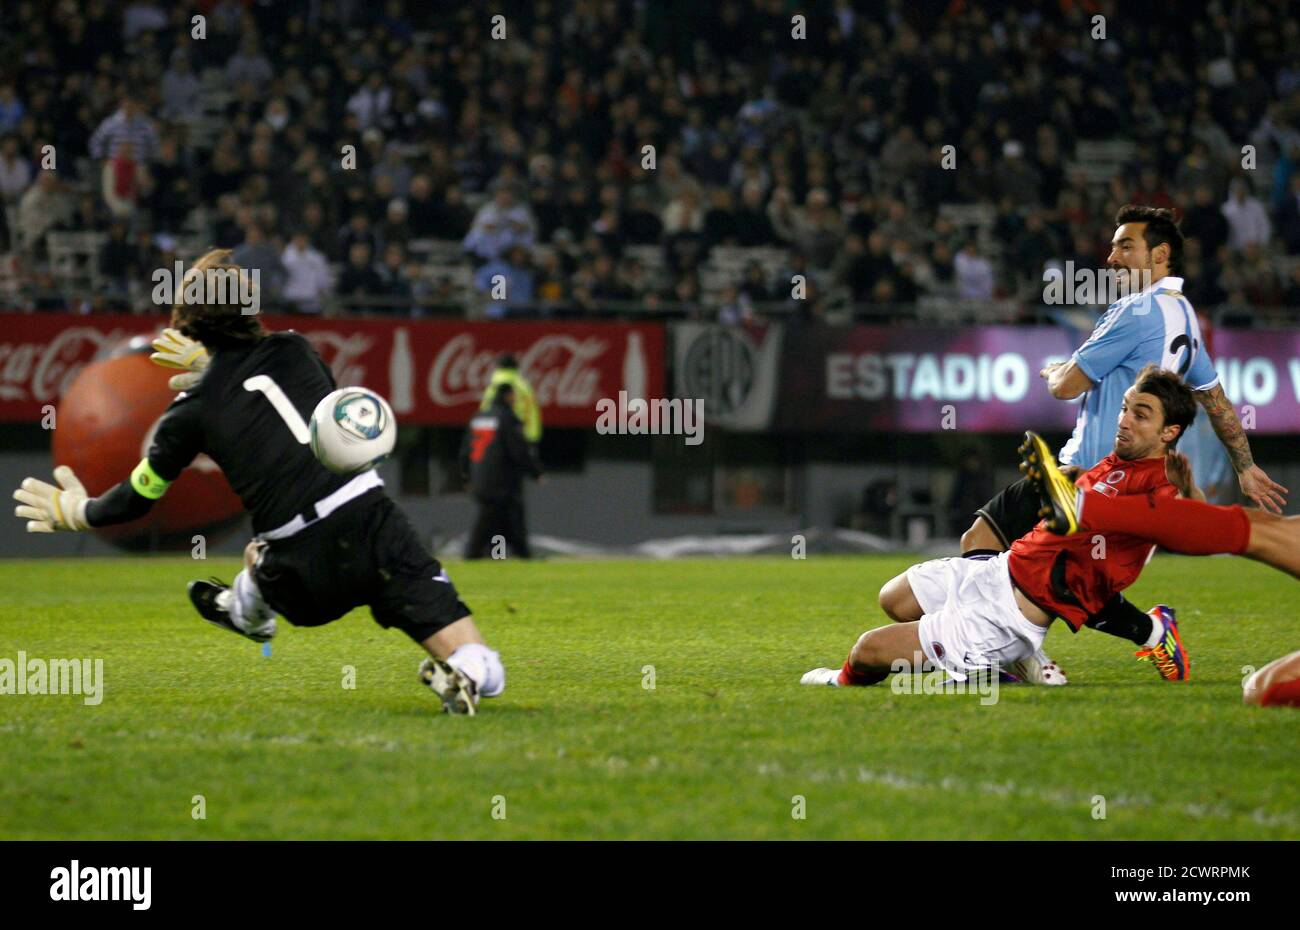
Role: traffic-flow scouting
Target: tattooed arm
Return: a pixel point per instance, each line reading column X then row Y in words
column 1255, row 484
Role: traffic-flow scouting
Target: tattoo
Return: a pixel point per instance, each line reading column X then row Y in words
column 1227, row 427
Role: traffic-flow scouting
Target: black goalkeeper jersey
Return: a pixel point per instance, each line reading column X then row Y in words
column 250, row 414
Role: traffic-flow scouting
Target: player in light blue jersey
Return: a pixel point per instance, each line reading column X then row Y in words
column 1153, row 324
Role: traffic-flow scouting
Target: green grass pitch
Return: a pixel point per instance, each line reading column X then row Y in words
column 722, row 746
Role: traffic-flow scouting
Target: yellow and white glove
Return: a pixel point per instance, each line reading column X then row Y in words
column 175, row 350
column 46, row 508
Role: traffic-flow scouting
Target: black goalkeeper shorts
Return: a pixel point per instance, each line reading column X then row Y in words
column 366, row 552
column 1012, row 512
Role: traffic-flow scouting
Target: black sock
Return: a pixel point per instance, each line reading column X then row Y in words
column 981, row 553
column 1123, row 619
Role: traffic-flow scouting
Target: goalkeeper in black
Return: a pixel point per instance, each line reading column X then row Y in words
column 323, row 543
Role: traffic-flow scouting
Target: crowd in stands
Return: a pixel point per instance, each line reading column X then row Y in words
column 617, row 156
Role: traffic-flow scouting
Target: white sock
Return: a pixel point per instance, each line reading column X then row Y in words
column 481, row 664
column 1157, row 632
column 245, row 605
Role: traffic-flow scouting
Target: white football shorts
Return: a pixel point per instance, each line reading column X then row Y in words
column 971, row 620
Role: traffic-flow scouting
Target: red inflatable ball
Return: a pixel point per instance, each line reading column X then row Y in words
column 104, row 424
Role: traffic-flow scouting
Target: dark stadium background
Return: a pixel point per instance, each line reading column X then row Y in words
column 774, row 158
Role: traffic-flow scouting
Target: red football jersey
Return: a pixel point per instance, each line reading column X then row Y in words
column 1093, row 570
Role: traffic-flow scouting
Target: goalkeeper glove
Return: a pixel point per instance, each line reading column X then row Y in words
column 46, row 508
column 175, row 350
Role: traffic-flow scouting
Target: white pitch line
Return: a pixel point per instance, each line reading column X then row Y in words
column 1028, row 792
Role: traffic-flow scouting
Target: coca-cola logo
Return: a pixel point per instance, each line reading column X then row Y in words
column 342, row 353
column 559, row 367
column 42, row 371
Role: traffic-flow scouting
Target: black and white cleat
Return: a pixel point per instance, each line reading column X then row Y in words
column 206, row 596
column 456, row 690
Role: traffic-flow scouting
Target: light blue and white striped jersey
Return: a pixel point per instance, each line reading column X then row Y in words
column 1156, row 325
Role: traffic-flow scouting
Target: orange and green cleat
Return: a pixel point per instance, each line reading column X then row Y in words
column 1168, row 655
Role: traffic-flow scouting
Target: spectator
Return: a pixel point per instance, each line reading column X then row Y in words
column 641, row 224
column 1291, row 296
column 974, row 274
column 395, row 169
column 396, row 228
column 902, row 156
column 684, row 214
column 15, row 172
column 1018, row 179
column 551, row 281
column 1151, row 190
column 1206, row 221
column 500, row 224
column 371, row 101
column 262, row 259
column 359, row 279
column 307, row 274
column 142, row 16
column 752, row 224
column 127, row 126
column 686, row 295
column 608, row 228
column 424, row 213
column 819, row 229
column 118, row 260
column 167, row 190
column 755, row 286
column 455, row 216
column 1014, row 92
column 358, row 229
column 249, row 65
column 506, row 281
column 182, row 94
column 122, row 181
column 43, row 207
column 1288, row 217
column 1247, row 220
column 781, row 215
column 1033, row 249
column 1257, row 276
column 396, row 285
column 684, row 243
column 854, row 271
column 11, row 108
column 736, row 308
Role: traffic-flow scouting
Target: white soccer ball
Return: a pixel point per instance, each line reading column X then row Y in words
column 352, row 429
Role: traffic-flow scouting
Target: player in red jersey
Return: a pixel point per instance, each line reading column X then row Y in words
column 968, row 616
column 1189, row 527
column 1276, row 684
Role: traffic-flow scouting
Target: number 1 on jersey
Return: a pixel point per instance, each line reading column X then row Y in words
column 283, row 406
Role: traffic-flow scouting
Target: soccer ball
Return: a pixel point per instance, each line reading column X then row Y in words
column 352, row 429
